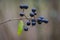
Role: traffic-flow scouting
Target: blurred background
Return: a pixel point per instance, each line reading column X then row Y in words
column 50, row 9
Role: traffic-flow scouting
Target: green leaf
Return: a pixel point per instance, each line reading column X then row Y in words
column 20, row 27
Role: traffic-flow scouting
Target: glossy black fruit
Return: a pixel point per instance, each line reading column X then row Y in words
column 21, row 14
column 39, row 20
column 35, row 13
column 33, row 20
column 25, row 28
column 33, row 9
column 41, row 17
column 28, row 23
column 24, row 6
column 33, row 23
column 32, row 14
column 45, row 20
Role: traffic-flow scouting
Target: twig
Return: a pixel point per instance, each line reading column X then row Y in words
column 25, row 15
column 13, row 20
column 9, row 20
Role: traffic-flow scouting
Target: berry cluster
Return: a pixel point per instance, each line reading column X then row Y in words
column 32, row 21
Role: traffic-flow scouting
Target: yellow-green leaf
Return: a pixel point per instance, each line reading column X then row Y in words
column 20, row 27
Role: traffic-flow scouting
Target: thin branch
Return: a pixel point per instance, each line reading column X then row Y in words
column 25, row 15
column 13, row 20
column 9, row 20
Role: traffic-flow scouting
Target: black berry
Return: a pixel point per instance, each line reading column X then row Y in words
column 45, row 20
column 21, row 14
column 33, row 9
column 25, row 28
column 24, row 6
column 33, row 20
column 32, row 14
column 39, row 20
column 41, row 17
column 33, row 23
column 28, row 23
column 35, row 13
